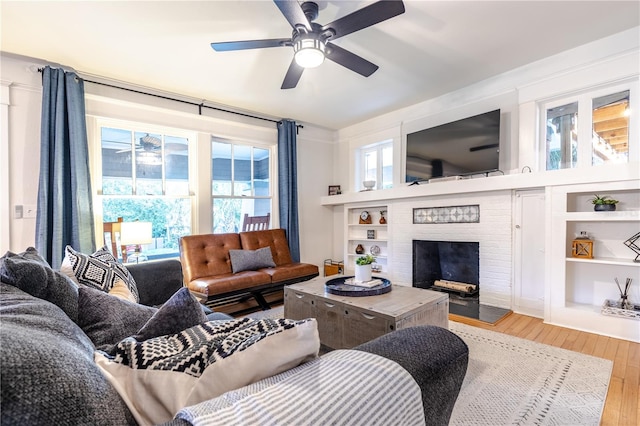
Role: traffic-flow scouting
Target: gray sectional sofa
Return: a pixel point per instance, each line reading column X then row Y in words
column 49, row 375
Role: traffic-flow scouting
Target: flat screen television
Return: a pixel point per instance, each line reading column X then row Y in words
column 461, row 148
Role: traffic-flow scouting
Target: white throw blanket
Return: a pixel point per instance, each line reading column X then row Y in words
column 344, row 387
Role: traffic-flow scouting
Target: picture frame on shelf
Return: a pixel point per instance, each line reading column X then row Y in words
column 334, row 190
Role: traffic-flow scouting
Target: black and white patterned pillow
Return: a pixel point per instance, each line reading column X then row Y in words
column 99, row 270
column 203, row 362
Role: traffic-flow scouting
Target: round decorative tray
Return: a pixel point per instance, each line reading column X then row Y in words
column 337, row 286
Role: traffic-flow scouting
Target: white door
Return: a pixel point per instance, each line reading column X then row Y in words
column 529, row 234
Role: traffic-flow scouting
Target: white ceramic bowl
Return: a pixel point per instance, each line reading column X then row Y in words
column 369, row 184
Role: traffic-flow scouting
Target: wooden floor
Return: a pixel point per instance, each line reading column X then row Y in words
column 622, row 406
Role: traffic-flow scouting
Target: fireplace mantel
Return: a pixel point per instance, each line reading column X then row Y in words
column 607, row 173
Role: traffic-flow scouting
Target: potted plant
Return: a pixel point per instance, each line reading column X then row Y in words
column 363, row 268
column 603, row 204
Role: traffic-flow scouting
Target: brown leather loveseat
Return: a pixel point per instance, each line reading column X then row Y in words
column 208, row 269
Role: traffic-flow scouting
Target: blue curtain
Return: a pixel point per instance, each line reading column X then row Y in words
column 288, row 185
column 65, row 213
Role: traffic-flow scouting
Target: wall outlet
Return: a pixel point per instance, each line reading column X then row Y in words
column 17, row 211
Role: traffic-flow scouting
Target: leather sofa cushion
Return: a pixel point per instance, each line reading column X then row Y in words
column 207, row 255
column 274, row 238
column 228, row 283
column 291, row 271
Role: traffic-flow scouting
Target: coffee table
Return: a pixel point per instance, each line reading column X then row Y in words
column 345, row 322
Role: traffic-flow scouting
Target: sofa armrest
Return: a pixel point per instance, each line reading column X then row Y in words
column 157, row 281
column 435, row 357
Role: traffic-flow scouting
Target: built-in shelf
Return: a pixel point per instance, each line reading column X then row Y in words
column 510, row 181
column 585, row 307
column 358, row 255
column 356, row 233
column 617, row 216
column 581, row 285
column 605, row 261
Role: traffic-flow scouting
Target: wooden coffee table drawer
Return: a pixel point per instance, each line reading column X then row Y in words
column 360, row 326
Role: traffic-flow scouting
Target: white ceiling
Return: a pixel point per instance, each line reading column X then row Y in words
column 433, row 48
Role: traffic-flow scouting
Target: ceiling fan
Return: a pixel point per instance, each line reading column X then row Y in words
column 153, row 144
column 312, row 42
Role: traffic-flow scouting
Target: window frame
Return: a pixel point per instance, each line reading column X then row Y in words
column 273, row 177
column 377, row 147
column 95, row 138
column 585, row 122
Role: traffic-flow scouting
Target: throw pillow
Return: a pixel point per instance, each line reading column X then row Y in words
column 180, row 312
column 121, row 291
column 107, row 319
column 29, row 272
column 203, row 362
column 250, row 260
column 98, row 270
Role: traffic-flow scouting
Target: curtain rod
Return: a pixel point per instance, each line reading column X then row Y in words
column 200, row 105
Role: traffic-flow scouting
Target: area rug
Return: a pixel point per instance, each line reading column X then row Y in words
column 513, row 381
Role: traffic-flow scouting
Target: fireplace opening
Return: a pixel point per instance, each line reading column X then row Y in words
column 450, row 266
column 442, row 262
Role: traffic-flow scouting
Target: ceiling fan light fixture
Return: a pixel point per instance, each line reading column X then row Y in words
column 309, row 51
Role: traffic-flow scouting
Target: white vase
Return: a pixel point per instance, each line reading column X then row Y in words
column 363, row 273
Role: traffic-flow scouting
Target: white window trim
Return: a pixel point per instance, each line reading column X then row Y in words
column 273, row 177
column 585, row 124
column 5, row 202
column 377, row 147
column 94, row 124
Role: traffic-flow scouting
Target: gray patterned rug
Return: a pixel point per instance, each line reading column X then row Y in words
column 513, row 381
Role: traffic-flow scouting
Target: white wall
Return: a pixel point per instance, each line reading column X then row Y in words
column 25, row 100
column 23, row 83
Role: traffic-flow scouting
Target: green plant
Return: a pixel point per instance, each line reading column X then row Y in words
column 598, row 200
column 365, row 260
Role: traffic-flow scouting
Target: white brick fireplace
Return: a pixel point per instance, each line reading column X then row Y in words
column 493, row 233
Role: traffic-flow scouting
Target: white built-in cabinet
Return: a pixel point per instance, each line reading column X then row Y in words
column 358, row 233
column 529, row 252
column 578, row 287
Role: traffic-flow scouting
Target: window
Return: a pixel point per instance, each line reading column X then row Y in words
column 241, row 183
column 610, row 118
column 562, row 137
column 589, row 130
column 377, row 164
column 145, row 177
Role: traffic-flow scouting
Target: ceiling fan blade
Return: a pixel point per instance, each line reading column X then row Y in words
column 293, row 76
column 350, row 60
column 365, row 17
column 293, row 12
column 250, row 44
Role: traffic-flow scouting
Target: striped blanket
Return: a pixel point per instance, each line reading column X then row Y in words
column 344, row 387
